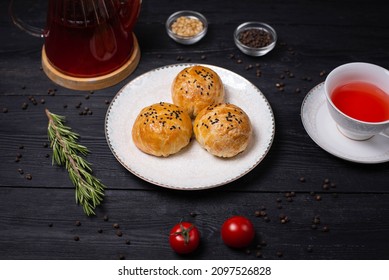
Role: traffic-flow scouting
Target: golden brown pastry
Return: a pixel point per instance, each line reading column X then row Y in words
column 224, row 130
column 197, row 87
column 162, row 129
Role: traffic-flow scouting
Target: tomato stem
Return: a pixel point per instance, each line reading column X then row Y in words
column 184, row 232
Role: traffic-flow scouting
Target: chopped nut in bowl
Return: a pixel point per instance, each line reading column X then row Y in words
column 186, row 27
column 255, row 38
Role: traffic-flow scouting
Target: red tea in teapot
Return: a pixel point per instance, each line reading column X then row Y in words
column 88, row 38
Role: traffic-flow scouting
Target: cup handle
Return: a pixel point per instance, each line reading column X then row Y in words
column 385, row 133
column 32, row 30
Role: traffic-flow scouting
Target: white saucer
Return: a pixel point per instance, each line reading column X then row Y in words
column 323, row 130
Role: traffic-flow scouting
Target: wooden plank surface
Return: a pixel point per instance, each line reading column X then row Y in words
column 314, row 37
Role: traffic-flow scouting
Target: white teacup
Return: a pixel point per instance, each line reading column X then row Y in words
column 357, row 73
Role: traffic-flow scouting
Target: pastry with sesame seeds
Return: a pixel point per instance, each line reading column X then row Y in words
column 162, row 129
column 224, row 130
column 196, row 87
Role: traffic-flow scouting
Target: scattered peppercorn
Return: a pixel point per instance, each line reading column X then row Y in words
column 32, row 100
column 193, row 214
column 325, row 229
column 316, row 220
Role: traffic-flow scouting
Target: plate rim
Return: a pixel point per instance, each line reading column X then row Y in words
column 320, row 143
column 194, row 186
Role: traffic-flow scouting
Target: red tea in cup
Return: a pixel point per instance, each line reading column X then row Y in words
column 362, row 101
column 357, row 96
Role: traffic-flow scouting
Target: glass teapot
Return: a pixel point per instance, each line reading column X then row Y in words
column 86, row 38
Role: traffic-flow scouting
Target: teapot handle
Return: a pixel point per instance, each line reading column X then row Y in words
column 32, row 30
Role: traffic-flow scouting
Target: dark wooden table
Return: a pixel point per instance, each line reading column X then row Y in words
column 38, row 213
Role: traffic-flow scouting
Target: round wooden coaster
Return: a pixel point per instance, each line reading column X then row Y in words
column 93, row 83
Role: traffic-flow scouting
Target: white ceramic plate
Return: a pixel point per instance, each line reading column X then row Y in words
column 192, row 168
column 323, row 130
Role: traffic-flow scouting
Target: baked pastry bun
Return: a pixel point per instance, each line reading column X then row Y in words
column 162, row 129
column 224, row 130
column 197, row 87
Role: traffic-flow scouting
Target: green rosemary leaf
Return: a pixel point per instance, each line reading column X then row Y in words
column 89, row 191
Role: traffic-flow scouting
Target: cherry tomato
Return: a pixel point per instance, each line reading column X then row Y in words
column 184, row 238
column 237, row 232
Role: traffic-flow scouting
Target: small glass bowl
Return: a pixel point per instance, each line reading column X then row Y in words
column 255, row 25
column 186, row 40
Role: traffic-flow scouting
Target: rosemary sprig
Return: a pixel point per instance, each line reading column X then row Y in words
column 66, row 152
